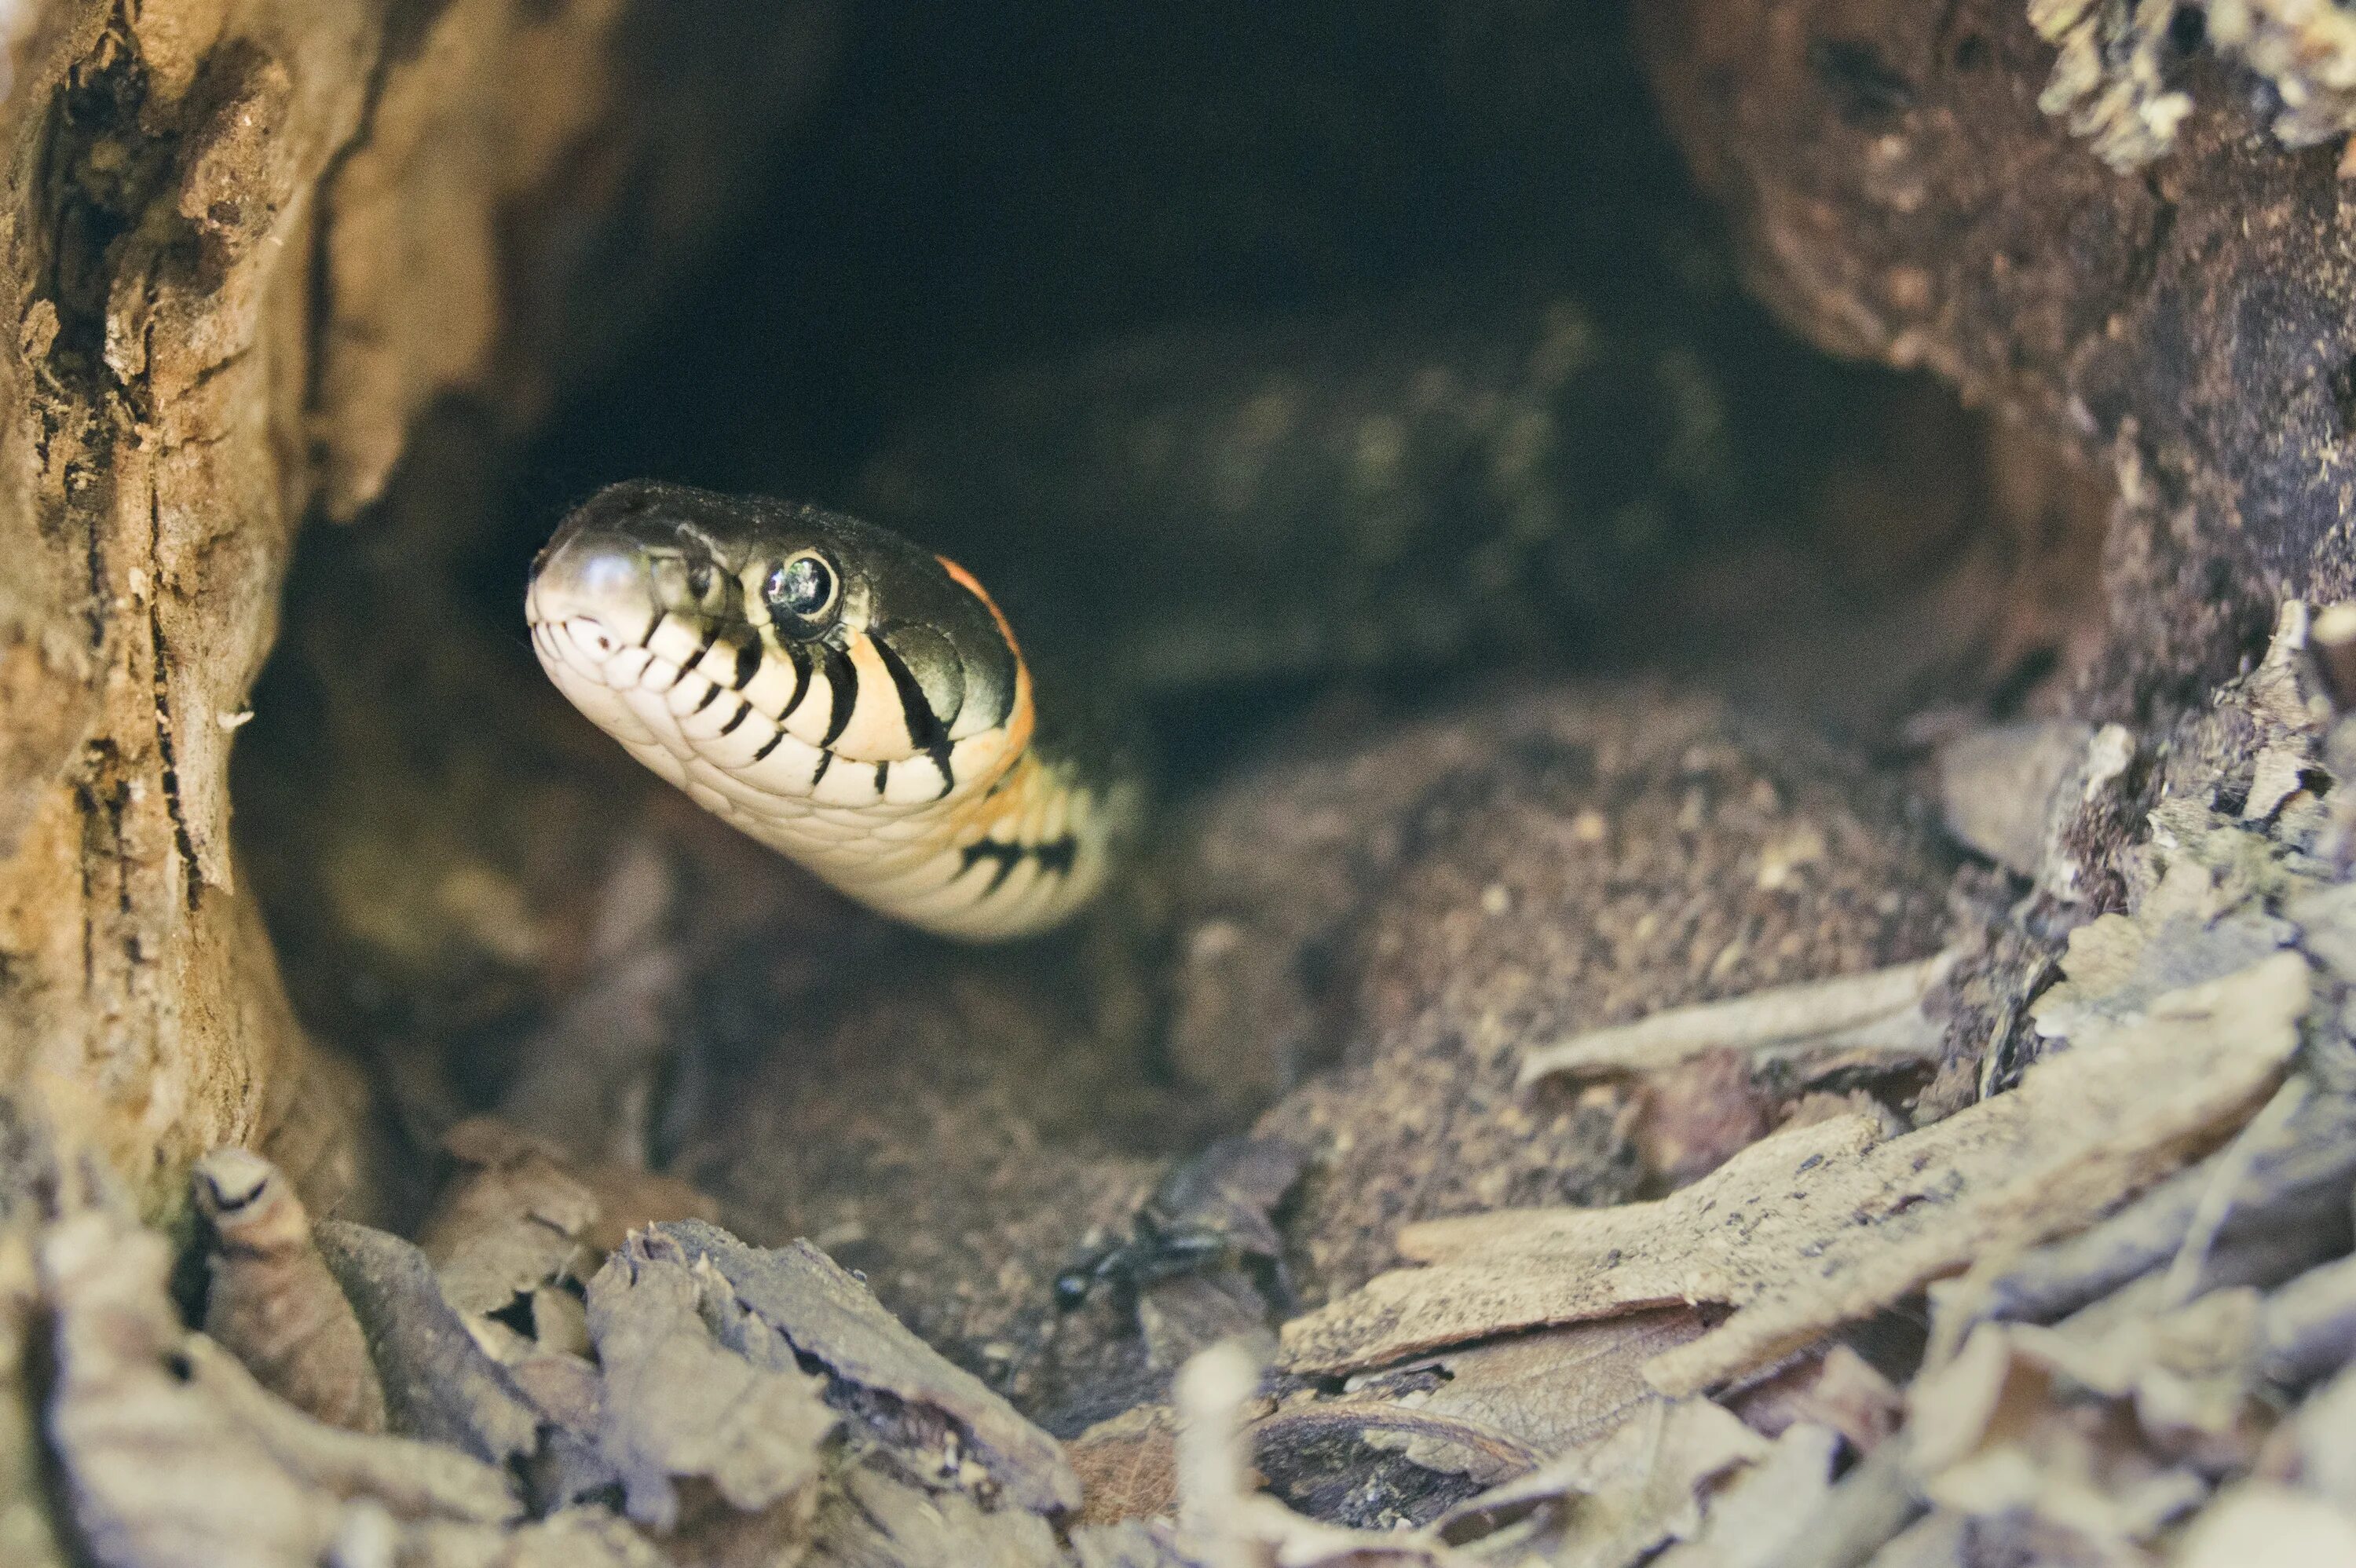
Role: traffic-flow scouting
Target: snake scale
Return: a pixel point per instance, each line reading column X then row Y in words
column 837, row 693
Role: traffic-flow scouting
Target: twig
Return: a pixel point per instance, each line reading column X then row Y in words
column 1865, row 1011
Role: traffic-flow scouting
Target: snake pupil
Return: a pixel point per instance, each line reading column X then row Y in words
column 803, row 588
column 699, row 581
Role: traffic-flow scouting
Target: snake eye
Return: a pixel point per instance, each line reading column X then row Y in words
column 803, row 590
column 699, row 581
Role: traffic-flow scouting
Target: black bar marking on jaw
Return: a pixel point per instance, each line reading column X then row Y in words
column 801, row 681
column 1055, row 855
column 710, row 635
column 711, row 695
column 1006, row 855
column 729, row 728
column 925, row 727
column 748, row 664
column 766, row 746
column 882, row 771
column 825, row 761
column 842, row 679
column 652, row 627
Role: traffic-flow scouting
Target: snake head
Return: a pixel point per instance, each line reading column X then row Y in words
column 675, row 573
column 834, row 691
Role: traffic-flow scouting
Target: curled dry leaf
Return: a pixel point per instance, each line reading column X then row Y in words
column 680, row 1403
column 271, row 1300
column 2284, row 1205
column 1818, row 1226
column 888, row 1377
column 439, row 1384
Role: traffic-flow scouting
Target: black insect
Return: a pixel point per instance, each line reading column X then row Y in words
column 1209, row 1212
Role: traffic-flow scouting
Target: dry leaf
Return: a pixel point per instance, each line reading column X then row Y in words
column 830, row 1317
column 1822, row 1225
column 872, row 1519
column 1224, row 1523
column 1127, row 1466
column 2309, row 1325
column 408, row 1478
column 1838, row 1389
column 1613, row 1503
column 271, row 1300
column 512, row 1219
column 439, row 1384
column 1996, row 1433
column 678, row 1403
column 1774, row 1507
column 154, row 1474
column 1551, row 1391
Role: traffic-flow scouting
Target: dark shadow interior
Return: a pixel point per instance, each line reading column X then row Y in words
column 1004, row 185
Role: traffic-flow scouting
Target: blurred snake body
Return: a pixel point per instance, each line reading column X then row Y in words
column 840, row 694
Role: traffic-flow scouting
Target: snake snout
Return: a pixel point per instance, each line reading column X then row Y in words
column 596, row 583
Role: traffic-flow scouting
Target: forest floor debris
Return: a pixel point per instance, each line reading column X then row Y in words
column 2107, row 1316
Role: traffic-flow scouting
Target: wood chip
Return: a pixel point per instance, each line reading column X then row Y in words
column 1822, row 1226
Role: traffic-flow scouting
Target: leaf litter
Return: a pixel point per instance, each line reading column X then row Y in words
column 2106, row 1315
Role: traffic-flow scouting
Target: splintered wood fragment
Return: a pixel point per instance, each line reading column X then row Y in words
column 1869, row 1012
column 1824, row 1224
